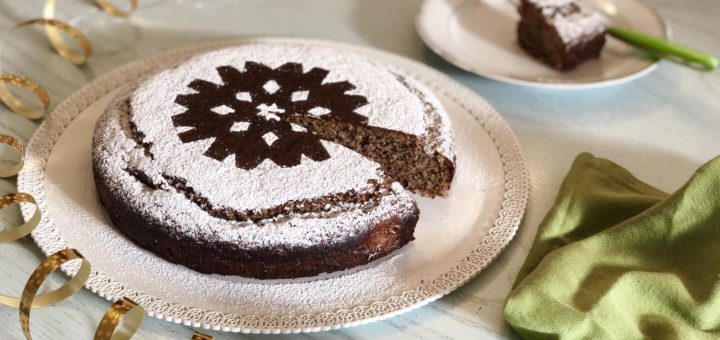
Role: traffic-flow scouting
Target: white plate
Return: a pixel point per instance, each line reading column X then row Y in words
column 480, row 36
column 455, row 238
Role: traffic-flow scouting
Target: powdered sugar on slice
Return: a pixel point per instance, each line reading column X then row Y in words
column 577, row 25
column 572, row 21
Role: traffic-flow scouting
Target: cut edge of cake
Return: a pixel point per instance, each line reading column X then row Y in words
column 424, row 165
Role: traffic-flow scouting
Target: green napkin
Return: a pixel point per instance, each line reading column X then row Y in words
column 618, row 259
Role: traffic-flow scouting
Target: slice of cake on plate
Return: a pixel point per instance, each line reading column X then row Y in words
column 271, row 160
column 560, row 32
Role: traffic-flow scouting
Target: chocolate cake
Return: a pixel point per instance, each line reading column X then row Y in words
column 271, row 160
column 559, row 32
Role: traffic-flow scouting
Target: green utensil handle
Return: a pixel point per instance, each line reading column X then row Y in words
column 664, row 46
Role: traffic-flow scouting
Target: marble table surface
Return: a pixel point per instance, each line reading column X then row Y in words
column 661, row 127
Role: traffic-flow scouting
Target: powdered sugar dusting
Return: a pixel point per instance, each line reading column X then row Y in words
column 268, row 185
column 172, row 208
column 441, row 138
column 572, row 22
column 577, row 25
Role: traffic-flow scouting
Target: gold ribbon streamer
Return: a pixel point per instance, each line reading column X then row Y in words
column 53, row 29
column 28, row 85
column 25, row 229
column 12, row 170
column 29, row 300
column 109, row 8
column 123, row 308
column 201, row 336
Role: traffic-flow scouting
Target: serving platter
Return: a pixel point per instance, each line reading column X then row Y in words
column 456, row 238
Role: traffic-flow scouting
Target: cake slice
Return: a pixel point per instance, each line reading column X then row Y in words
column 560, row 33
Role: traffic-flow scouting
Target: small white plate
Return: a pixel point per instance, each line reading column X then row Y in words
column 480, row 36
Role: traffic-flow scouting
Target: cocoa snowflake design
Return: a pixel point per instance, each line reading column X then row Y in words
column 245, row 114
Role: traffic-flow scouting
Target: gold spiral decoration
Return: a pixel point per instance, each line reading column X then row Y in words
column 24, row 229
column 12, row 170
column 109, row 8
column 126, row 309
column 29, row 299
column 201, row 336
column 124, row 317
column 53, row 30
column 15, row 104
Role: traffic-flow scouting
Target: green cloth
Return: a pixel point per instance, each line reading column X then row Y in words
column 618, row 259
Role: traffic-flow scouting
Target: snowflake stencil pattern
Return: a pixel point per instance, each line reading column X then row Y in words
column 244, row 115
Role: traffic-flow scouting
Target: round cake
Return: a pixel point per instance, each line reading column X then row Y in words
column 271, row 160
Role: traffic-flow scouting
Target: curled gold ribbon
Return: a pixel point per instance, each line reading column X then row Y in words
column 201, row 336
column 16, row 104
column 122, row 309
column 109, row 8
column 25, row 229
column 29, row 299
column 52, row 30
column 12, row 170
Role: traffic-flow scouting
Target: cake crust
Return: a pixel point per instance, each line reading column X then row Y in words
column 217, row 257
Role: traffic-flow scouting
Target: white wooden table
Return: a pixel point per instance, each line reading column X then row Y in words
column 661, row 127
